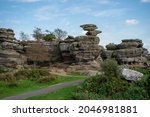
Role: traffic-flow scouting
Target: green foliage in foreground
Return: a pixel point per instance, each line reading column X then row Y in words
column 3, row 70
column 28, row 80
column 100, row 87
column 111, row 86
column 110, row 68
column 62, row 94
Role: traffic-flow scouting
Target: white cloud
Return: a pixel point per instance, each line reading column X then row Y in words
column 145, row 1
column 48, row 13
column 27, row 1
column 109, row 13
column 87, row 10
column 132, row 22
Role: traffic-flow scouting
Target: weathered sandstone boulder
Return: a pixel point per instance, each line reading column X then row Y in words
column 130, row 51
column 89, row 27
column 131, row 75
column 9, row 49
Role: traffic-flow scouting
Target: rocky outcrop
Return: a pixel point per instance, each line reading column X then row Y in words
column 10, row 50
column 82, row 48
column 79, row 50
column 130, row 51
column 131, row 75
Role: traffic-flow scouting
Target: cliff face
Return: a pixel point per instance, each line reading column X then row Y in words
column 130, row 51
column 10, row 50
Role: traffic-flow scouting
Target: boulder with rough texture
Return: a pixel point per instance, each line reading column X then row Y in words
column 10, row 50
column 131, row 75
column 130, row 51
column 89, row 27
column 89, row 69
column 111, row 46
column 70, row 37
column 93, row 33
column 7, row 34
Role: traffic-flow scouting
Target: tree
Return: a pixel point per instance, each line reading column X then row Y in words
column 37, row 33
column 38, row 52
column 60, row 34
column 24, row 36
column 48, row 36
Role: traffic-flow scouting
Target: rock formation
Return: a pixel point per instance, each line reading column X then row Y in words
column 82, row 48
column 82, row 51
column 130, row 51
column 10, row 49
column 131, row 75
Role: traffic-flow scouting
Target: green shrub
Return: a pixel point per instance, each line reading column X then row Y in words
column 6, row 77
column 147, row 86
column 3, row 70
column 144, row 70
column 49, row 37
column 31, row 74
column 34, row 74
column 109, row 85
column 44, row 72
column 110, row 68
column 22, row 74
column 12, row 84
column 132, row 93
column 46, row 79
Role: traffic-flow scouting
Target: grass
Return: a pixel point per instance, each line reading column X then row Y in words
column 62, row 94
column 29, row 85
column 23, row 86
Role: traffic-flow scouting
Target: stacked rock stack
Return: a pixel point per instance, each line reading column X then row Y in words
column 130, row 51
column 9, row 49
column 86, row 48
column 91, row 29
column 82, row 48
column 6, row 34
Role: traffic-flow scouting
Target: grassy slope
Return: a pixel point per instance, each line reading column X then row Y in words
column 27, row 85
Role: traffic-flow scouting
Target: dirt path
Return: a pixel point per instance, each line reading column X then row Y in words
column 43, row 91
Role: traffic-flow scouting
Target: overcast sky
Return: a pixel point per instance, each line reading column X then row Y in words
column 117, row 19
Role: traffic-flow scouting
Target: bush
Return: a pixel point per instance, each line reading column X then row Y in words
column 46, row 79
column 6, row 77
column 49, row 37
column 110, row 68
column 3, row 70
column 109, row 85
column 132, row 93
column 33, row 74
column 101, row 87
column 12, row 84
column 22, row 74
column 147, row 86
column 144, row 70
